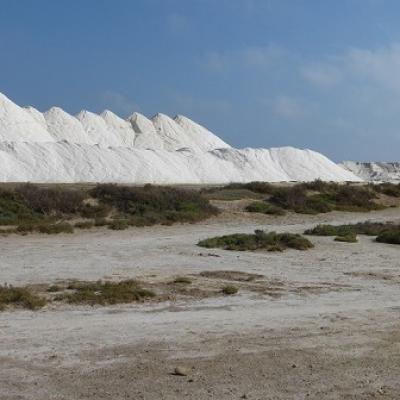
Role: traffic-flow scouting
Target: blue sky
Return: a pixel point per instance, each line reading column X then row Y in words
column 313, row 74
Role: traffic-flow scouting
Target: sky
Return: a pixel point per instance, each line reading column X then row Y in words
column 315, row 74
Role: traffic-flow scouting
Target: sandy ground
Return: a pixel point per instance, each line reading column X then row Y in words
column 331, row 330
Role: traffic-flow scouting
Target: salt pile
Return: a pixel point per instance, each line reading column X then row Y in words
column 55, row 146
column 374, row 171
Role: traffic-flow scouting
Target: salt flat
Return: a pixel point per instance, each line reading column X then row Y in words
column 331, row 332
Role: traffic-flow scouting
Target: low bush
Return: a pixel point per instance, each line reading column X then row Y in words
column 94, row 211
column 256, row 187
column 100, row 222
column 53, row 288
column 330, row 197
column 103, row 293
column 14, row 210
column 84, row 225
column 230, row 290
column 51, row 200
column 230, row 194
column 361, row 228
column 350, row 237
column 61, row 227
column 391, row 236
column 155, row 204
column 118, row 225
column 19, row 297
column 387, row 188
column 271, row 241
column 182, row 280
column 264, row 208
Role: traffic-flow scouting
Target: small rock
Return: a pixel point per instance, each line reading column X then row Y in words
column 181, row 371
column 294, row 366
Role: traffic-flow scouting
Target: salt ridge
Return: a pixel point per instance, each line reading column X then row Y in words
column 58, row 147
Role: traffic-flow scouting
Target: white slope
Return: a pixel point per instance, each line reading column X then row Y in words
column 201, row 137
column 57, row 147
column 63, row 126
column 146, row 133
column 18, row 124
column 37, row 115
column 68, row 162
column 97, row 129
column 121, row 128
column 174, row 136
column 374, row 171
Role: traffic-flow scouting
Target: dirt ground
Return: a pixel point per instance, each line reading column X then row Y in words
column 318, row 324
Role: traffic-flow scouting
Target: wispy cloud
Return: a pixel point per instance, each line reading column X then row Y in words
column 378, row 67
column 291, row 108
column 247, row 57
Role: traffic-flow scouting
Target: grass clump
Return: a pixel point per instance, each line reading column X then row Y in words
column 321, row 197
column 270, row 241
column 182, row 280
column 229, row 290
column 53, row 229
column 118, row 225
column 104, row 293
column 387, row 188
column 361, row 228
column 19, row 297
column 53, row 288
column 225, row 194
column 84, row 225
column 390, row 236
column 264, row 208
column 350, row 237
column 100, row 222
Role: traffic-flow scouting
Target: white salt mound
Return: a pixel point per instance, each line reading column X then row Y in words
column 374, row 171
column 58, row 147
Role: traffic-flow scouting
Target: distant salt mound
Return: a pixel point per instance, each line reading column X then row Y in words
column 374, row 171
column 20, row 125
column 146, row 133
column 58, row 147
column 63, row 126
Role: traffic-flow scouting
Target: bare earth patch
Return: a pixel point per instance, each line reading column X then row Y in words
column 320, row 324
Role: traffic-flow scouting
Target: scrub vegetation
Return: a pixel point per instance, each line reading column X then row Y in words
column 260, row 240
column 30, row 208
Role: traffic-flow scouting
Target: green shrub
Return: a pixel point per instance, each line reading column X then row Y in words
column 51, row 200
column 20, row 297
column 230, row 290
column 14, row 210
column 259, row 240
column 100, row 222
column 350, row 237
column 322, row 230
column 84, row 225
column 230, row 194
column 361, row 228
column 53, row 288
column 391, row 236
column 62, row 227
column 183, row 280
column 118, row 225
column 264, row 208
column 155, row 204
column 103, row 293
column 256, row 187
column 95, row 211
column 389, row 189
